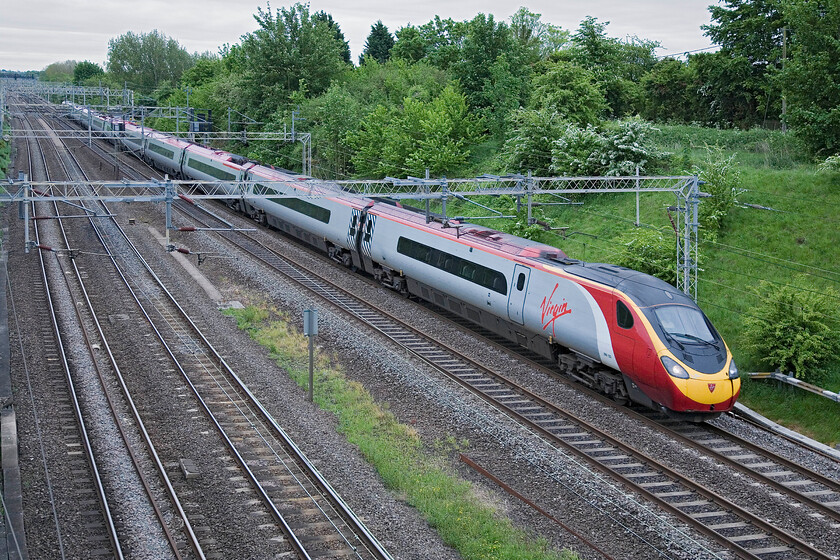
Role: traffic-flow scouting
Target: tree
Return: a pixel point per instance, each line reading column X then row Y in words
column 493, row 71
column 291, row 51
column 443, row 39
column 147, row 60
column 529, row 146
column 390, row 83
column 570, row 91
column 86, row 70
column 722, row 89
column 59, row 71
column 339, row 36
column 352, row 97
column 535, row 37
column 204, row 71
column 419, row 135
column 668, row 92
column 378, row 44
column 410, row 45
column 618, row 66
column 330, row 117
column 752, row 29
column 811, row 78
column 752, row 32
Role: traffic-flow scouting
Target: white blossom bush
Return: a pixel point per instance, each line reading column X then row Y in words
column 831, row 164
column 612, row 152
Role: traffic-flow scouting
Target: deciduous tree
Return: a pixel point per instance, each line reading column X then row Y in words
column 811, row 78
column 419, row 135
column 571, row 91
column 290, row 51
column 147, row 60
column 750, row 32
column 59, row 71
column 86, row 70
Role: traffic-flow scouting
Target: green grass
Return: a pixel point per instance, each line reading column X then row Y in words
column 447, row 502
column 5, row 150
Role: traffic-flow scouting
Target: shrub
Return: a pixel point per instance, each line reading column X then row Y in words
column 651, row 252
column 722, row 181
column 793, row 330
column 529, row 146
column 612, row 152
column 830, row 165
column 574, row 151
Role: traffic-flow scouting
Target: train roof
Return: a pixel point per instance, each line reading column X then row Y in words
column 477, row 235
column 646, row 290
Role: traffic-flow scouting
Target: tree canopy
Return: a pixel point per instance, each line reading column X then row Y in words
column 521, row 88
column 86, row 70
column 147, row 60
column 379, row 44
column 810, row 80
column 290, row 51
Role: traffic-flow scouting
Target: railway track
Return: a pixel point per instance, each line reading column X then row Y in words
column 314, row 520
column 151, row 474
column 739, row 530
column 94, row 526
column 797, row 482
column 820, row 497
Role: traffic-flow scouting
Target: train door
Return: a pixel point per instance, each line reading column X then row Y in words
column 518, row 290
column 632, row 356
column 359, row 235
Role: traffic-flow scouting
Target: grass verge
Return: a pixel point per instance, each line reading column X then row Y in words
column 804, row 412
column 395, row 450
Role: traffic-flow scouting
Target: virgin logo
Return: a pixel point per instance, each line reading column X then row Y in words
column 551, row 310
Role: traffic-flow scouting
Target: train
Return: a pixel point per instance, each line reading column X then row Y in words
column 629, row 335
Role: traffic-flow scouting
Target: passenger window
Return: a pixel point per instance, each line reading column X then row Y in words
column 520, row 282
column 623, row 316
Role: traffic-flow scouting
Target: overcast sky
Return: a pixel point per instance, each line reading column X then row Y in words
column 36, row 33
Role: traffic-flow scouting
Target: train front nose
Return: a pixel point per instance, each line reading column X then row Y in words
column 695, row 391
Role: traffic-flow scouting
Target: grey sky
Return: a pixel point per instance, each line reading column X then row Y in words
column 35, row 33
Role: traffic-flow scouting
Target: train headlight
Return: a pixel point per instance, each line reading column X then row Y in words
column 673, row 368
column 733, row 370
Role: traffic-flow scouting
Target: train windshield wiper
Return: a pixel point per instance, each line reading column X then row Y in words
column 697, row 339
column 674, row 340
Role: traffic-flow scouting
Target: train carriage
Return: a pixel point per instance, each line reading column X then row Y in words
column 163, row 151
column 321, row 221
column 628, row 334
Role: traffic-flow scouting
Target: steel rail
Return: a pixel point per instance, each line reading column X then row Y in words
column 359, row 529
column 666, row 425
column 153, row 454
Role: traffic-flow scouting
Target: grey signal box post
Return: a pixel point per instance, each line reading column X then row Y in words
column 310, row 330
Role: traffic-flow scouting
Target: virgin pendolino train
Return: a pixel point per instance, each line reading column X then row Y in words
column 629, row 335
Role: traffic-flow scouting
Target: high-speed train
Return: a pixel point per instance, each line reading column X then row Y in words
column 625, row 333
